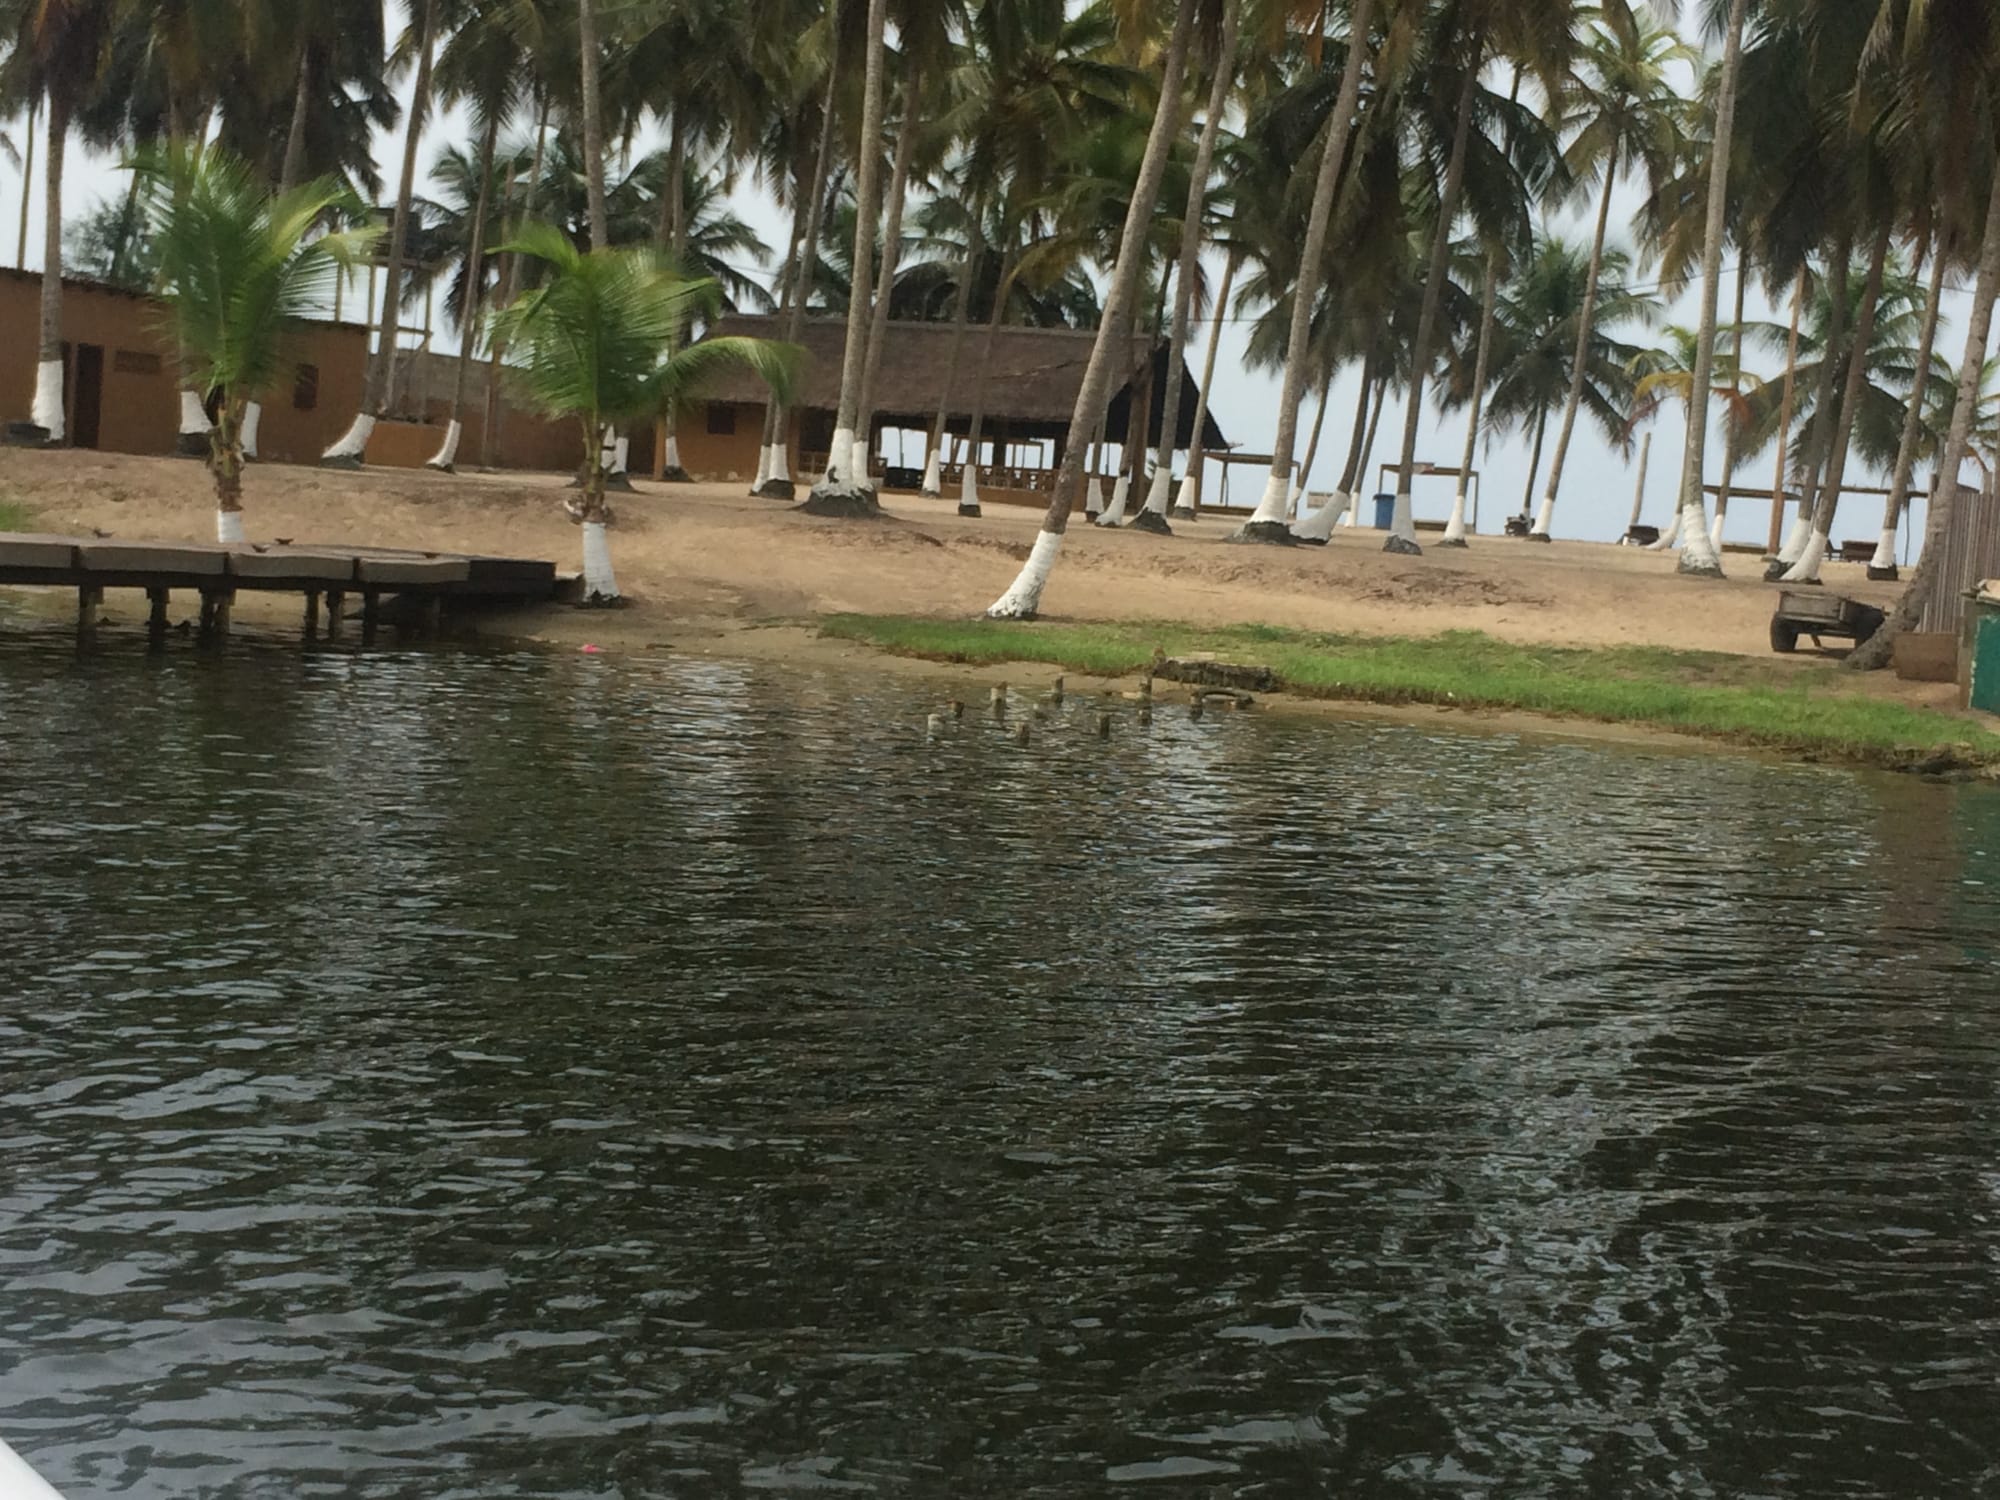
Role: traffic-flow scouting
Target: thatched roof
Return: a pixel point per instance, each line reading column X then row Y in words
column 1031, row 382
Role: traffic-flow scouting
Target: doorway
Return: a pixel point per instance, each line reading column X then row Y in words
column 87, row 395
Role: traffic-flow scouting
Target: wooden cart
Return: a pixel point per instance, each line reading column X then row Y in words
column 1817, row 615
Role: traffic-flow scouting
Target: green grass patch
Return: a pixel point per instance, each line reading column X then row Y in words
column 14, row 516
column 1739, row 699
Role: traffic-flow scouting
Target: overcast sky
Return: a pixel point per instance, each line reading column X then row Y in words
column 1597, row 490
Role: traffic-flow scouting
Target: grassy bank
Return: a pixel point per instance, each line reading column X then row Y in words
column 14, row 516
column 1737, row 699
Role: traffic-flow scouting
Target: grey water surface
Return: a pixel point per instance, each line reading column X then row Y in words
column 450, row 1074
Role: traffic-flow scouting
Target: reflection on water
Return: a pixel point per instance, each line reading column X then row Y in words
column 445, row 1075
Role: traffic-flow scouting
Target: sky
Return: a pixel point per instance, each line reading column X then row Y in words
column 1598, row 488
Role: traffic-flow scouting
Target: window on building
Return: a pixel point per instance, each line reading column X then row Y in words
column 721, row 419
column 305, row 388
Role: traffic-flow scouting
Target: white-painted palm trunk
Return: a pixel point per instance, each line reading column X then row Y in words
column 228, row 526
column 447, row 453
column 1806, row 569
column 1160, row 492
column 673, row 454
column 1715, row 525
column 1023, row 600
column 1403, row 522
column 17, row 1480
column 621, row 449
column 781, row 463
column 1317, row 526
column 1669, row 537
column 1277, row 499
column 253, row 418
column 968, row 487
column 840, row 457
column 933, row 476
column 1543, row 516
column 1455, row 528
column 194, row 421
column 598, row 582
column 353, row 443
column 1697, row 554
column 1188, row 493
column 1093, row 497
column 763, row 468
column 1121, row 493
column 47, row 412
column 1797, row 539
column 1885, row 550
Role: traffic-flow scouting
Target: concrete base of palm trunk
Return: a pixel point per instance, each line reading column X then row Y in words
column 1270, row 533
column 968, row 492
column 1402, row 546
column 1150, row 520
column 842, row 500
column 27, row 435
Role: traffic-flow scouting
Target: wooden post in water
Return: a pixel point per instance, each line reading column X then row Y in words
column 88, row 597
column 371, row 615
column 336, row 610
column 312, row 614
column 225, row 602
column 207, row 614
column 433, row 617
column 156, row 618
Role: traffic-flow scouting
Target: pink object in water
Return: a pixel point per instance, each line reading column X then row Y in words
column 593, row 650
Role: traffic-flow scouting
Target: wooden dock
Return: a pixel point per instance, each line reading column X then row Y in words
column 331, row 575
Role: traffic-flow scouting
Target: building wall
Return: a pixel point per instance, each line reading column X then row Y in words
column 139, row 404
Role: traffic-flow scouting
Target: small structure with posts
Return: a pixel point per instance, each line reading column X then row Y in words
column 330, row 576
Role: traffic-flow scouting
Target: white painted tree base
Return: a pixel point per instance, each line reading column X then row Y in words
column 968, row 490
column 1670, row 537
column 47, row 411
column 194, row 421
column 447, row 453
column 1093, row 497
column 933, row 485
column 1715, row 529
column 1698, row 557
column 1023, row 600
column 598, row 581
column 228, row 526
column 1317, row 526
column 781, row 463
column 353, row 443
column 1796, row 540
column 672, row 454
column 1186, row 495
column 253, row 418
column 1160, row 492
column 1274, row 504
column 1544, row 516
column 840, row 457
column 1885, row 550
column 1454, row 529
column 763, row 469
column 1806, row 569
column 1121, row 493
column 1403, row 521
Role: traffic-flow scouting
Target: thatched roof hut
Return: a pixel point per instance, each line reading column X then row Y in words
column 1030, row 384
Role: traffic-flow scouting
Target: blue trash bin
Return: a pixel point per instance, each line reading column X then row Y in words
column 1385, row 512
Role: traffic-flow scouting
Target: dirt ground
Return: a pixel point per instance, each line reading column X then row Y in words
column 699, row 559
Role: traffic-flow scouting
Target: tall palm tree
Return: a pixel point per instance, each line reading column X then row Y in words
column 1698, row 555
column 352, row 446
column 239, row 268
column 58, row 52
column 1267, row 522
column 1023, row 598
column 1883, row 566
column 1222, row 78
column 1621, row 111
column 845, row 490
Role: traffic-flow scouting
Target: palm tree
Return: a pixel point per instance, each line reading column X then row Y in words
column 845, row 490
column 1667, row 372
column 349, row 451
column 1884, row 564
column 1267, row 522
column 57, row 54
column 1699, row 557
column 1621, row 111
column 1023, row 598
column 601, row 340
column 238, row 269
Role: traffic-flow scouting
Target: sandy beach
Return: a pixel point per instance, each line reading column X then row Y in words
column 710, row 555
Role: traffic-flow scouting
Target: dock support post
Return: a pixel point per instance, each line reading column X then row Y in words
column 156, row 618
column 336, row 611
column 225, row 602
column 88, row 597
column 312, row 613
column 207, row 627
column 433, row 617
column 371, row 615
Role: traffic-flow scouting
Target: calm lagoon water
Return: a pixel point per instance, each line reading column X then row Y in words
column 479, row 1075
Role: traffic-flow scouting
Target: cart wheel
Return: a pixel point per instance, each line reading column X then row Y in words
column 1784, row 637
